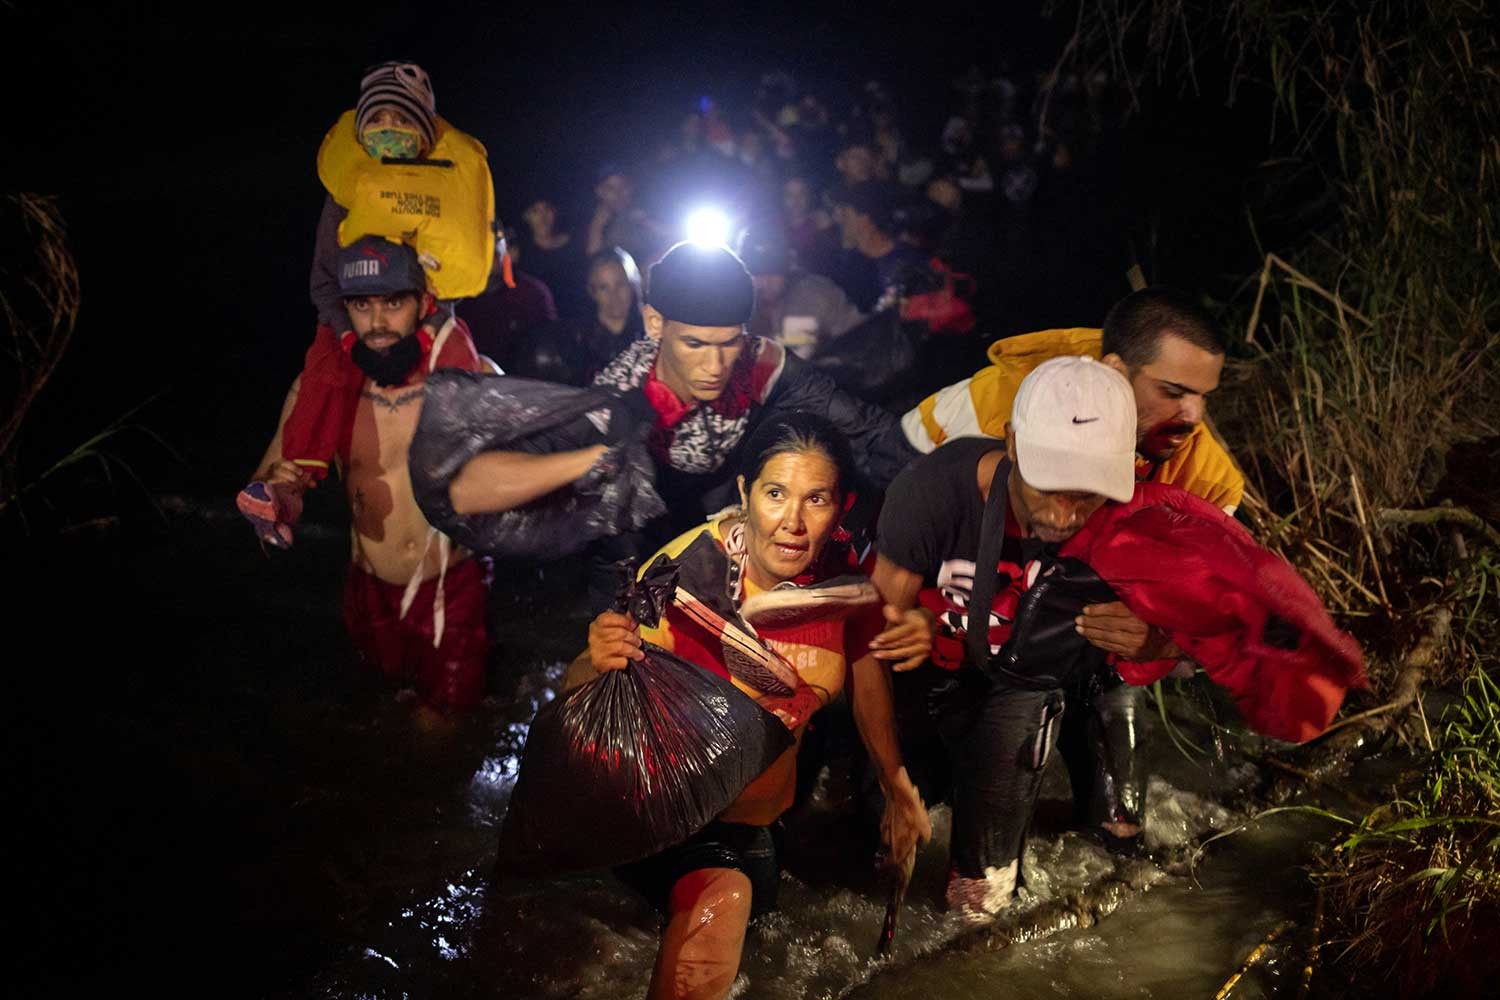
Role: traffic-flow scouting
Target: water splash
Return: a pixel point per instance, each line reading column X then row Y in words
column 492, row 783
column 464, row 938
column 1175, row 818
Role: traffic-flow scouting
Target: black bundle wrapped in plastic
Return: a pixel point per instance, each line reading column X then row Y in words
column 465, row 413
column 872, row 359
column 635, row 760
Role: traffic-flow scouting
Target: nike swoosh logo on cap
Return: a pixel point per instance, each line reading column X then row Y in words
column 1088, row 421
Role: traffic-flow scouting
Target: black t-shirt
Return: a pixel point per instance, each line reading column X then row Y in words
column 565, row 273
column 930, row 525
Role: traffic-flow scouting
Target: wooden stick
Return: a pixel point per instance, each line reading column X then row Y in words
column 1299, row 280
column 1364, row 524
column 1260, row 294
column 1343, row 572
column 1314, row 778
column 1422, row 656
column 1439, row 515
column 1426, row 729
column 1313, row 949
column 1255, row 956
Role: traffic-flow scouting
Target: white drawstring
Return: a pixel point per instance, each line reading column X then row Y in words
column 438, row 342
column 415, row 582
column 413, row 585
column 439, row 616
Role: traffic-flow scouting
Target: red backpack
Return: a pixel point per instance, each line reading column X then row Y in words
column 943, row 309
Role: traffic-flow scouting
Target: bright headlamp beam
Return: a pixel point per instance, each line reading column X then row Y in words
column 708, row 226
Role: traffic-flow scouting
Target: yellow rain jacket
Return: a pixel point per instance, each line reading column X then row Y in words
column 444, row 206
column 980, row 406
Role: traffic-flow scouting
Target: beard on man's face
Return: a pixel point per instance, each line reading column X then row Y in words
column 1162, row 441
column 388, row 366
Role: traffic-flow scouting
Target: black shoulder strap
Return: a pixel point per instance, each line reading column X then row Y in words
column 991, row 537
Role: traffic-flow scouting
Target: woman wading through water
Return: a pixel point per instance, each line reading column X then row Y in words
column 780, row 562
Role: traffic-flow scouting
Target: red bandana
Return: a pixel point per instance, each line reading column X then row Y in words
column 733, row 403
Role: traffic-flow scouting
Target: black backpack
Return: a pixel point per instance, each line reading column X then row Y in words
column 1044, row 649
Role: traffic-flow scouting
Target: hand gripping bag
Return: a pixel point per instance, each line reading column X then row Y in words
column 635, row 760
column 1044, row 649
column 466, row 413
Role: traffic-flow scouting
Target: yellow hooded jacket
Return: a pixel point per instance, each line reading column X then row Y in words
column 444, row 207
column 980, row 406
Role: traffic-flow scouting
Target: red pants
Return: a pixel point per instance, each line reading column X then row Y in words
column 448, row 677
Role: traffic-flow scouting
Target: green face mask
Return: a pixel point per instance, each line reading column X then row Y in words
column 393, row 141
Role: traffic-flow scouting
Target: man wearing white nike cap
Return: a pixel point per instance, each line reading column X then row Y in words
column 981, row 742
column 1072, row 429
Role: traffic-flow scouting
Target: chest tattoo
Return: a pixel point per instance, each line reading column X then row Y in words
column 410, row 396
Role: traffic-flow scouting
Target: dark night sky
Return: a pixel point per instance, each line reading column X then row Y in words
column 567, row 83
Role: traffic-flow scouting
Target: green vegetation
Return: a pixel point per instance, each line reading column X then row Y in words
column 1416, row 886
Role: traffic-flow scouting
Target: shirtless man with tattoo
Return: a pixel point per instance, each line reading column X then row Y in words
column 413, row 603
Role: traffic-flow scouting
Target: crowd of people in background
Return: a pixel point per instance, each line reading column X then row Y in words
column 849, row 211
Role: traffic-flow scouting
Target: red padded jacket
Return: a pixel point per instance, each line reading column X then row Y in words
column 1241, row 612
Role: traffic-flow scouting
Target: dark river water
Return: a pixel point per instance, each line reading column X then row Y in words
column 213, row 801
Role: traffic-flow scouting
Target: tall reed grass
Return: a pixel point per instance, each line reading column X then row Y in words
column 1368, row 346
column 40, row 298
column 1367, row 358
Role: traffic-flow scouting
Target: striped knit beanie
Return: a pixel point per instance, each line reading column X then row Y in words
column 403, row 87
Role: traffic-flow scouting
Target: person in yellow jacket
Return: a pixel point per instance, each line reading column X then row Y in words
column 1159, row 339
column 1172, row 354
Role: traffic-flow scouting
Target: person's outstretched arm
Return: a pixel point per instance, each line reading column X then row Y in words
column 598, row 223
column 497, row 481
column 907, row 639
column 905, row 823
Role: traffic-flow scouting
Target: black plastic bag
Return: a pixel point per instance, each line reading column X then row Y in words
column 466, row 413
column 1044, row 649
column 873, row 359
column 635, row 760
